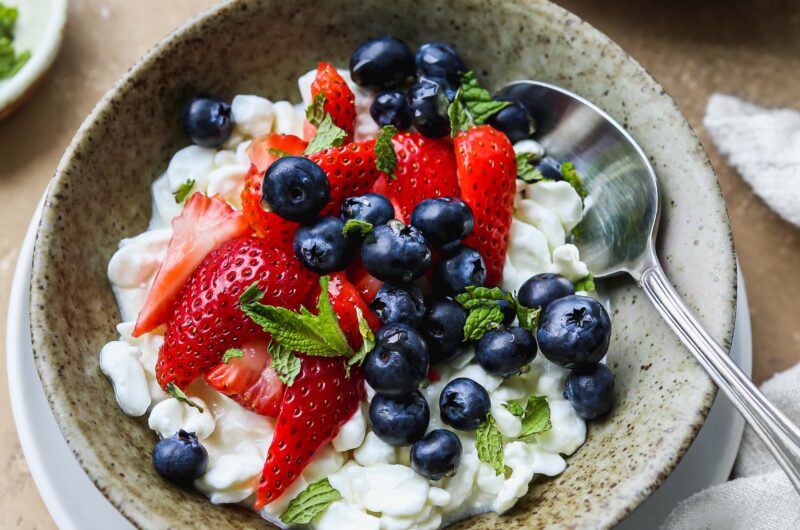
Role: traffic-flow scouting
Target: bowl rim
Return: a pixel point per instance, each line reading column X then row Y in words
column 107, row 102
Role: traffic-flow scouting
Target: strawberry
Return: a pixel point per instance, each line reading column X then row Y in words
column 351, row 171
column 259, row 149
column 250, row 380
column 426, row 167
column 204, row 224
column 345, row 298
column 318, row 403
column 340, row 102
column 366, row 284
column 206, row 320
column 487, row 177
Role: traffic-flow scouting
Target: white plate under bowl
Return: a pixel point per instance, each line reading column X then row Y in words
column 75, row 503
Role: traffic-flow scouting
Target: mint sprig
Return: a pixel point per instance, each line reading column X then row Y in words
column 489, row 444
column 571, row 175
column 483, row 305
column 184, row 190
column 315, row 112
column 535, row 417
column 274, row 151
column 525, row 170
column 356, row 227
column 301, row 331
column 285, row 363
column 232, row 353
column 10, row 61
column 367, row 342
column 528, row 317
column 472, row 105
column 586, row 284
column 328, row 135
column 385, row 155
column 311, row 502
column 173, row 390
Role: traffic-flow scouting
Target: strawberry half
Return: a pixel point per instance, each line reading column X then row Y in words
column 206, row 320
column 344, row 299
column 262, row 149
column 340, row 102
column 426, row 168
column 318, row 403
column 487, row 176
column 365, row 284
column 351, row 171
column 250, row 380
column 204, row 224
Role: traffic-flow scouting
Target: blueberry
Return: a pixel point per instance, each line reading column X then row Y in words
column 295, row 188
column 436, row 59
column 385, row 62
column 207, row 121
column 181, row 458
column 428, row 101
column 550, row 169
column 540, row 290
column 399, row 303
column 574, row 331
column 399, row 361
column 514, row 120
column 395, row 253
column 459, row 269
column 590, row 390
column 508, row 309
column 391, row 108
column 505, row 352
column 443, row 328
column 443, row 220
column 437, row 455
column 322, row 247
column 464, row 404
column 399, row 420
column 373, row 208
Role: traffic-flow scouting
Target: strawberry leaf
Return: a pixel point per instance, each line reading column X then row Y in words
column 311, row 502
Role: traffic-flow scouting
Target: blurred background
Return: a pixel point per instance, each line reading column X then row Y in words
column 748, row 48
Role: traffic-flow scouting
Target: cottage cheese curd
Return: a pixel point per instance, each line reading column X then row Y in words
column 378, row 487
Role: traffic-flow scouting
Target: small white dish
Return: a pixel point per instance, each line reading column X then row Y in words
column 75, row 503
column 39, row 29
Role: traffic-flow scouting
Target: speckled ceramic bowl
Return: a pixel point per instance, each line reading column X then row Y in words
column 100, row 194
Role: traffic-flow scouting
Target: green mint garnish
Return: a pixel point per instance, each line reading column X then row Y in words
column 483, row 305
column 184, row 190
column 586, row 284
column 302, row 331
column 515, row 408
column 535, row 416
column 274, row 151
column 528, row 318
column 315, row 112
column 328, row 135
column 356, row 227
column 285, row 363
column 473, row 104
column 385, row 155
column 571, row 175
column 489, row 443
column 367, row 341
column 311, row 502
column 525, row 170
column 233, row 353
column 173, row 390
column 10, row 61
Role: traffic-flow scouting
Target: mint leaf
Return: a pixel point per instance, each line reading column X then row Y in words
column 485, row 314
column 173, row 390
column 525, row 170
column 8, row 18
column 586, row 284
column 460, row 120
column 528, row 317
column 385, row 155
column 328, row 135
column 356, row 227
column 10, row 61
column 515, row 408
column 285, row 363
column 231, row 354
column 536, row 418
column 367, row 341
column 311, row 502
column 274, row 151
column 474, row 296
column 474, row 101
column 489, row 443
column 315, row 112
column 571, row 175
column 184, row 190
column 301, row 331
column 251, row 294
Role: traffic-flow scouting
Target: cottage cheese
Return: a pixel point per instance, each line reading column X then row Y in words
column 379, row 489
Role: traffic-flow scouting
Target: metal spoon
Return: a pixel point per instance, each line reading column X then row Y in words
column 617, row 235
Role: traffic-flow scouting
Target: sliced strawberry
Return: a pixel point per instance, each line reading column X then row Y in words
column 426, row 167
column 344, row 299
column 250, row 380
column 487, row 177
column 262, row 149
column 351, row 171
column 204, row 224
column 340, row 102
column 366, row 284
column 318, row 403
column 206, row 319
column 268, row 225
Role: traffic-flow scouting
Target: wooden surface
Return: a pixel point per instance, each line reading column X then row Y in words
column 694, row 48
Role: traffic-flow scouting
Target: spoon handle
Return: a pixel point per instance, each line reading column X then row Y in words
column 780, row 435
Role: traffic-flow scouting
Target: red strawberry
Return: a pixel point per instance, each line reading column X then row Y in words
column 250, row 380
column 206, row 320
column 426, row 167
column 318, row 403
column 340, row 102
column 204, row 224
column 345, row 298
column 259, row 149
column 487, row 176
column 366, row 284
column 351, row 171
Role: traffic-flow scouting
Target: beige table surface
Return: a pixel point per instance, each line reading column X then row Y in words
column 693, row 47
